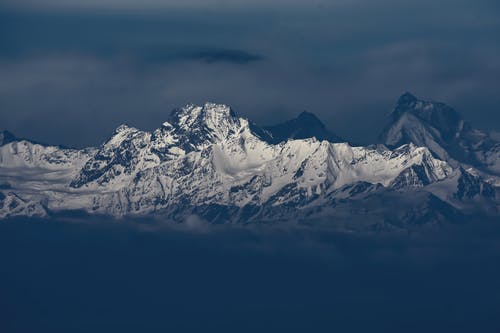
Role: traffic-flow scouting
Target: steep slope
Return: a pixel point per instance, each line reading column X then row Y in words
column 207, row 161
column 305, row 126
column 468, row 191
column 441, row 129
column 12, row 205
column 189, row 129
column 272, row 181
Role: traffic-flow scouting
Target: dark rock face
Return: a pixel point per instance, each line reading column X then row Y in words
column 438, row 115
column 414, row 176
column 208, row 163
column 440, row 128
column 470, row 186
column 306, row 125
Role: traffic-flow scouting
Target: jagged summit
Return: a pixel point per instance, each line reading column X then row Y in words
column 437, row 114
column 207, row 161
column 201, row 123
column 305, row 125
column 124, row 128
column 407, row 99
column 190, row 113
column 442, row 129
column 189, row 129
column 221, row 119
column 412, row 117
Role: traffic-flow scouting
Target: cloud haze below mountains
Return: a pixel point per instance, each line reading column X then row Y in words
column 104, row 277
column 101, row 64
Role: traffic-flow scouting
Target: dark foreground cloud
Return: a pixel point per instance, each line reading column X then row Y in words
column 124, row 276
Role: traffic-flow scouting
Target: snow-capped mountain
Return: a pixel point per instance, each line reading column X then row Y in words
column 205, row 160
column 443, row 130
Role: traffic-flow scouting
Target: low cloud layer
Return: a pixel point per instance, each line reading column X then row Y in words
column 105, row 276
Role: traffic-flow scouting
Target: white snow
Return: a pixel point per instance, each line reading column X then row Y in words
column 231, row 166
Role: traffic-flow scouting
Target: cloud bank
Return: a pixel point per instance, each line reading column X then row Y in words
column 107, row 277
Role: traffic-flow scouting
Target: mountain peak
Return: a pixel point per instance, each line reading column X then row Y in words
column 309, row 117
column 306, row 113
column 407, row 99
column 220, row 109
column 306, row 125
column 222, row 168
column 123, row 128
column 440, row 128
column 191, row 114
column 436, row 114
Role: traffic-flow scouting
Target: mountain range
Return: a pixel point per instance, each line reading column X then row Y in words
column 429, row 168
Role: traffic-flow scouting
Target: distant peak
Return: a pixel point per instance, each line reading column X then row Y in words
column 192, row 111
column 407, row 99
column 219, row 109
column 436, row 113
column 210, row 105
column 305, row 125
column 305, row 115
column 123, row 128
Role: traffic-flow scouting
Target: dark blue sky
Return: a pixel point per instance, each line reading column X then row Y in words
column 71, row 71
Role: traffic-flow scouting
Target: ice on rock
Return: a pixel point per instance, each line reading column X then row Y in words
column 205, row 160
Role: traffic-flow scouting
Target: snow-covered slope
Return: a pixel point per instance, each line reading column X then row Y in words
column 205, row 160
column 189, row 129
column 254, row 173
column 26, row 154
column 12, row 205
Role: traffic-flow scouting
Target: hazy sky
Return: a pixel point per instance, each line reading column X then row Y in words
column 73, row 70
